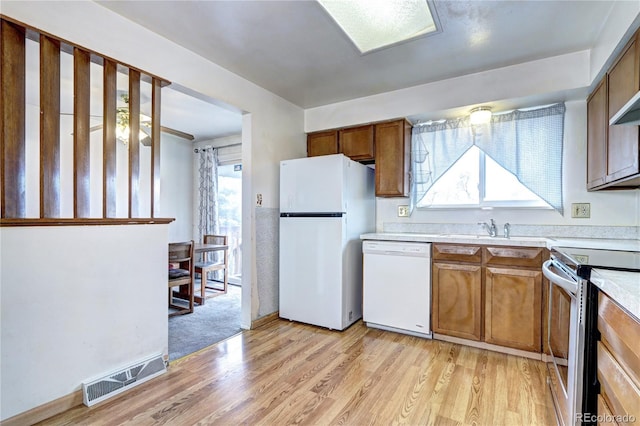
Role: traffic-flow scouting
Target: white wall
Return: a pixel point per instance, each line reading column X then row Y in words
column 272, row 130
column 176, row 179
column 557, row 76
column 77, row 302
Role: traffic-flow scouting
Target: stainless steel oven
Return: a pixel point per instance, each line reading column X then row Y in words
column 566, row 336
column 572, row 326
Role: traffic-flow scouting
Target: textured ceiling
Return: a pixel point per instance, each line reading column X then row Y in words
column 294, row 49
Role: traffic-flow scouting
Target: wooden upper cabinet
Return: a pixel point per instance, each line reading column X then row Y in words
column 597, row 131
column 357, row 143
column 392, row 157
column 322, row 143
column 613, row 151
column 623, row 152
column 513, row 308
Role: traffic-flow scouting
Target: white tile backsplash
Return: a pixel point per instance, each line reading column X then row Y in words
column 567, row 231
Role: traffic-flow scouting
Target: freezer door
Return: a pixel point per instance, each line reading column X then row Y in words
column 311, row 270
column 313, row 185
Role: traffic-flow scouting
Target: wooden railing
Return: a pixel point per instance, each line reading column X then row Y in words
column 13, row 143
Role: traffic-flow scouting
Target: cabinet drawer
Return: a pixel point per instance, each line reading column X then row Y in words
column 619, row 392
column 457, row 252
column 514, row 256
column 620, row 332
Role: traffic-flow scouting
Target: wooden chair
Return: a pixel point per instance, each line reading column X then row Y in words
column 205, row 266
column 181, row 255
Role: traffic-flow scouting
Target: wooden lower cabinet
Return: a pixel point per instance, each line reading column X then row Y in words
column 457, row 300
column 618, row 360
column 513, row 308
column 490, row 294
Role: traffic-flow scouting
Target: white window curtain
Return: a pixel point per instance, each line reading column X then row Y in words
column 526, row 143
column 207, row 191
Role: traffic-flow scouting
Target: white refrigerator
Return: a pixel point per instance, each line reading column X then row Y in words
column 326, row 202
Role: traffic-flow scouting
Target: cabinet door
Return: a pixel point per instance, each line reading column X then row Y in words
column 597, row 129
column 322, row 143
column 357, row 143
column 457, row 300
column 393, row 154
column 513, row 308
column 623, row 149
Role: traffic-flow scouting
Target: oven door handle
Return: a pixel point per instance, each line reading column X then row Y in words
column 567, row 284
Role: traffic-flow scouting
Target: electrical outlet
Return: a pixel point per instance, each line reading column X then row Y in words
column 403, row 211
column 259, row 200
column 581, row 210
column 581, row 258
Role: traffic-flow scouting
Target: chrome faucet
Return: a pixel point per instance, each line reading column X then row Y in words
column 491, row 229
column 507, row 230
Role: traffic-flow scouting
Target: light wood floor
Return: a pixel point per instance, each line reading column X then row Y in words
column 289, row 373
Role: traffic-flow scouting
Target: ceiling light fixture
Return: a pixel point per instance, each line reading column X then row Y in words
column 480, row 115
column 122, row 127
column 374, row 24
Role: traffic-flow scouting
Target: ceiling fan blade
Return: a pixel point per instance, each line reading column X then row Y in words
column 177, row 133
column 167, row 130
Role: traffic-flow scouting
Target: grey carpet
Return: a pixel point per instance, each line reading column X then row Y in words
column 210, row 323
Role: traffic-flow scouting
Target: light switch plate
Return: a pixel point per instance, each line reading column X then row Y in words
column 581, row 210
column 403, row 211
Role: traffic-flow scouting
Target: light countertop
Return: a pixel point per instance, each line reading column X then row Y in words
column 621, row 286
column 518, row 241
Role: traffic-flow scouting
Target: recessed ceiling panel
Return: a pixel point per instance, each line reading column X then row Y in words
column 375, row 24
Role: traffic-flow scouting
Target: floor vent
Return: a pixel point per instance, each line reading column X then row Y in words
column 112, row 384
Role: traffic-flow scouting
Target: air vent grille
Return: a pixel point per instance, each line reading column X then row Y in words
column 116, row 382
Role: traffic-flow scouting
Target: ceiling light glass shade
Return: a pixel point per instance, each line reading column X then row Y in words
column 373, row 24
column 480, row 115
column 122, row 126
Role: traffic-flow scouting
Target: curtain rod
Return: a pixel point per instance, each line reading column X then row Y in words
column 204, row 148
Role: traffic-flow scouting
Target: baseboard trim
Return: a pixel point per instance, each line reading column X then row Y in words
column 488, row 346
column 265, row 320
column 45, row 411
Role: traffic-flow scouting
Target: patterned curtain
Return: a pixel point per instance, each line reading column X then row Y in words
column 527, row 143
column 207, row 192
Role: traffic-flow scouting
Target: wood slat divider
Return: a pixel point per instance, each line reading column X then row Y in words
column 13, row 161
column 12, row 120
column 81, row 132
column 9, row 222
column 49, row 127
column 156, row 87
column 109, row 140
column 134, row 143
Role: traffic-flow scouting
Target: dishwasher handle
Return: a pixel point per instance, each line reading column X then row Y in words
column 397, row 248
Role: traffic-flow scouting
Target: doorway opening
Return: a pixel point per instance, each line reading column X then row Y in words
column 230, row 216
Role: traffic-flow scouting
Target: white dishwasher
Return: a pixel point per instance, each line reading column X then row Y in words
column 397, row 286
